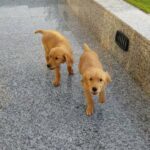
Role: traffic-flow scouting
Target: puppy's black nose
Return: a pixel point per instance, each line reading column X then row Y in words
column 94, row 89
column 48, row 65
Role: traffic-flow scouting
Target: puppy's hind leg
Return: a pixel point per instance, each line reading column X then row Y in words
column 70, row 70
column 69, row 62
column 90, row 104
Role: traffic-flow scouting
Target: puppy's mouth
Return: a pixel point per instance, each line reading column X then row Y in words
column 63, row 61
column 94, row 93
column 52, row 68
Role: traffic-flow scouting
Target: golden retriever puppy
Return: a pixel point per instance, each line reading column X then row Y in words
column 94, row 78
column 57, row 51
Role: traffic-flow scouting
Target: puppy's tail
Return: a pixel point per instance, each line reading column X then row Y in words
column 86, row 47
column 40, row 31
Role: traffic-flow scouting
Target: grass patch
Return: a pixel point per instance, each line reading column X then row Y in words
column 141, row 4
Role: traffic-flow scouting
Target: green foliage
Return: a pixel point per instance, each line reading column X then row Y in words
column 141, row 4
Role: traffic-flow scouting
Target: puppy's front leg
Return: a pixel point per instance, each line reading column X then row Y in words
column 90, row 104
column 102, row 96
column 70, row 70
column 56, row 82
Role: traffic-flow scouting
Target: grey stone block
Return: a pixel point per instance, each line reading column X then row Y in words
column 105, row 18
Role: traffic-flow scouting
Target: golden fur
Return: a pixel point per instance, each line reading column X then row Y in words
column 94, row 78
column 57, row 51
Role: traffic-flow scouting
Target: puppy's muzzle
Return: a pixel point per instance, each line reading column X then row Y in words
column 50, row 67
column 94, row 91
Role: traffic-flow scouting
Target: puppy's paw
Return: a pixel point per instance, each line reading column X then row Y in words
column 56, row 83
column 89, row 110
column 70, row 70
column 102, row 101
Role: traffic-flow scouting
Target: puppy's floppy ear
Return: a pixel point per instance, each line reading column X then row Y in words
column 84, row 77
column 84, row 80
column 107, row 78
column 69, row 59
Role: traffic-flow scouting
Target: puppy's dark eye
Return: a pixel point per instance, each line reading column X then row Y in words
column 100, row 79
column 91, row 79
column 56, row 58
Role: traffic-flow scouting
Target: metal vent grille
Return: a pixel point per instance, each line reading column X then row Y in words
column 122, row 40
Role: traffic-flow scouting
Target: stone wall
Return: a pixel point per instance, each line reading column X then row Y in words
column 104, row 25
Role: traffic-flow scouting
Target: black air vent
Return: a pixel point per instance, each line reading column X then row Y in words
column 122, row 40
